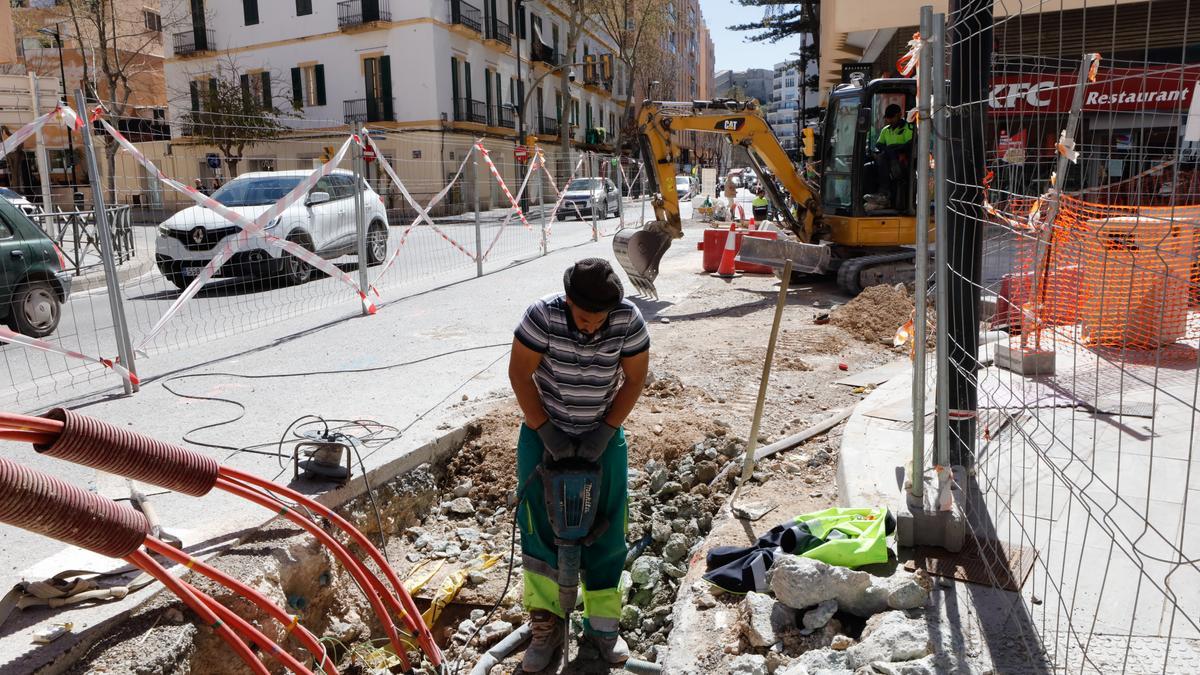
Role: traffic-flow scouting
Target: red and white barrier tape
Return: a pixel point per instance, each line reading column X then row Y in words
column 70, row 119
column 508, row 217
column 248, row 228
column 560, row 196
column 61, row 113
column 422, row 213
column 496, row 174
column 7, row 335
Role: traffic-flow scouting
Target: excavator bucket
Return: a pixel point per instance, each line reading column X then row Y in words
column 806, row 258
column 639, row 252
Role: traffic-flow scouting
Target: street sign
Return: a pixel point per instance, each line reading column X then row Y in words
column 521, row 153
column 214, row 160
column 369, row 154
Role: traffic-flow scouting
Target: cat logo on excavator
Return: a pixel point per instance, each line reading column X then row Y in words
column 731, row 124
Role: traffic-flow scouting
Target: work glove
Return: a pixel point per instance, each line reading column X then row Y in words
column 556, row 442
column 593, row 443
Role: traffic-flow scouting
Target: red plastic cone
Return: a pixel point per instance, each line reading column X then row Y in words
column 753, row 225
column 726, row 269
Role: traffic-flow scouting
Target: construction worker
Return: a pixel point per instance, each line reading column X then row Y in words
column 893, row 148
column 578, row 364
column 760, row 207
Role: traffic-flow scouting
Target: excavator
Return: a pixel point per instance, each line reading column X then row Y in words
column 838, row 223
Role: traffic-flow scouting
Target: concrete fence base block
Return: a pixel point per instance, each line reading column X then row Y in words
column 1027, row 363
column 919, row 522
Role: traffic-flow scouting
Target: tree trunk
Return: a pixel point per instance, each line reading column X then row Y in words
column 110, row 165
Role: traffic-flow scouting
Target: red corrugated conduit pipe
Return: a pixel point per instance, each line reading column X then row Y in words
column 45, row 505
column 85, row 440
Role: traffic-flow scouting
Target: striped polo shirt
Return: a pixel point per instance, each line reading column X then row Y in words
column 579, row 374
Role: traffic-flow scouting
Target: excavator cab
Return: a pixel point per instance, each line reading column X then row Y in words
column 854, row 185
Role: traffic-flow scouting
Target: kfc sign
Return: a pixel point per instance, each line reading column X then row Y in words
column 1162, row 89
column 1009, row 95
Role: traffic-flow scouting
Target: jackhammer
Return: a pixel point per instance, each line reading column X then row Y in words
column 572, row 494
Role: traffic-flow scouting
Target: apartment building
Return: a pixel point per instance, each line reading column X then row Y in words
column 783, row 109
column 685, row 71
column 753, row 83
column 452, row 66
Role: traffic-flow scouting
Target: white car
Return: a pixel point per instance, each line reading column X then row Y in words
column 322, row 222
column 684, row 187
column 18, row 200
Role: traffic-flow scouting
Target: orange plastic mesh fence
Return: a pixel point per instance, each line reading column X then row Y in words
column 1117, row 276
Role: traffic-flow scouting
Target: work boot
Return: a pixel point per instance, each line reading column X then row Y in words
column 612, row 648
column 547, row 638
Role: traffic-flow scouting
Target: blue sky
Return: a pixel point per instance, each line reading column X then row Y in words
column 733, row 52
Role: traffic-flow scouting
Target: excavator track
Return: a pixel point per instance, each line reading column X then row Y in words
column 855, row 274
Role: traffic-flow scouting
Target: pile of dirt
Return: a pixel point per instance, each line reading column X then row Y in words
column 875, row 314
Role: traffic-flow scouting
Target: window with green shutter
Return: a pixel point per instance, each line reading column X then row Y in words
column 250, row 11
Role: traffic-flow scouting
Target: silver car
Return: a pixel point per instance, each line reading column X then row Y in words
column 587, row 194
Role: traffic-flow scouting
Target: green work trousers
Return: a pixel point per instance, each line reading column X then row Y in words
column 602, row 561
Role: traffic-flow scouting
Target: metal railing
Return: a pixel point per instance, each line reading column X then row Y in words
column 504, row 117
column 186, row 43
column 359, row 110
column 466, row 14
column 77, row 236
column 501, row 32
column 359, row 12
column 547, row 55
column 470, row 110
column 548, row 126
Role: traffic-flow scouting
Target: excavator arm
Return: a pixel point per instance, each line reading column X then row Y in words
column 640, row 251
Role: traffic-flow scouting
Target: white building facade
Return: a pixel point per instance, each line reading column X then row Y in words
column 448, row 65
column 783, row 110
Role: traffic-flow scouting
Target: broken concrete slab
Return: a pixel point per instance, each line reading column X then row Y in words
column 801, row 583
column 764, row 620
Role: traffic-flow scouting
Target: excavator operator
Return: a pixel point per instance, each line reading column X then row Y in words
column 893, row 153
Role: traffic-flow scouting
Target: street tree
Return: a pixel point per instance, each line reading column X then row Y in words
column 234, row 111
column 798, row 21
column 637, row 28
column 123, row 62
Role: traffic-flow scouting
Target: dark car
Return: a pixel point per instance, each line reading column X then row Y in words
column 34, row 282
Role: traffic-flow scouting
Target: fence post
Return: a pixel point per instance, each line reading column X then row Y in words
column 542, row 203
column 360, row 216
column 642, row 192
column 124, row 345
column 924, row 68
column 620, row 195
column 43, row 163
column 941, row 202
column 592, row 170
column 478, row 225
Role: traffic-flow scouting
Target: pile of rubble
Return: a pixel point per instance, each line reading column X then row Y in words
column 671, row 509
column 813, row 622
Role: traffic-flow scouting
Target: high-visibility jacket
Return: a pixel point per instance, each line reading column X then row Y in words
column 848, row 537
column 889, row 135
column 760, row 202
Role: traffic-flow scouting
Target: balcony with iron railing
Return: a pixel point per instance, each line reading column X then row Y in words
column 500, row 32
column 466, row 14
column 548, row 126
column 504, row 117
column 470, row 110
column 194, row 41
column 544, row 54
column 353, row 13
column 362, row 110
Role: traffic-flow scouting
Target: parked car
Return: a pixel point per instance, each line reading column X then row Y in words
column 685, row 187
column 34, row 281
column 21, row 202
column 584, row 194
column 322, row 222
